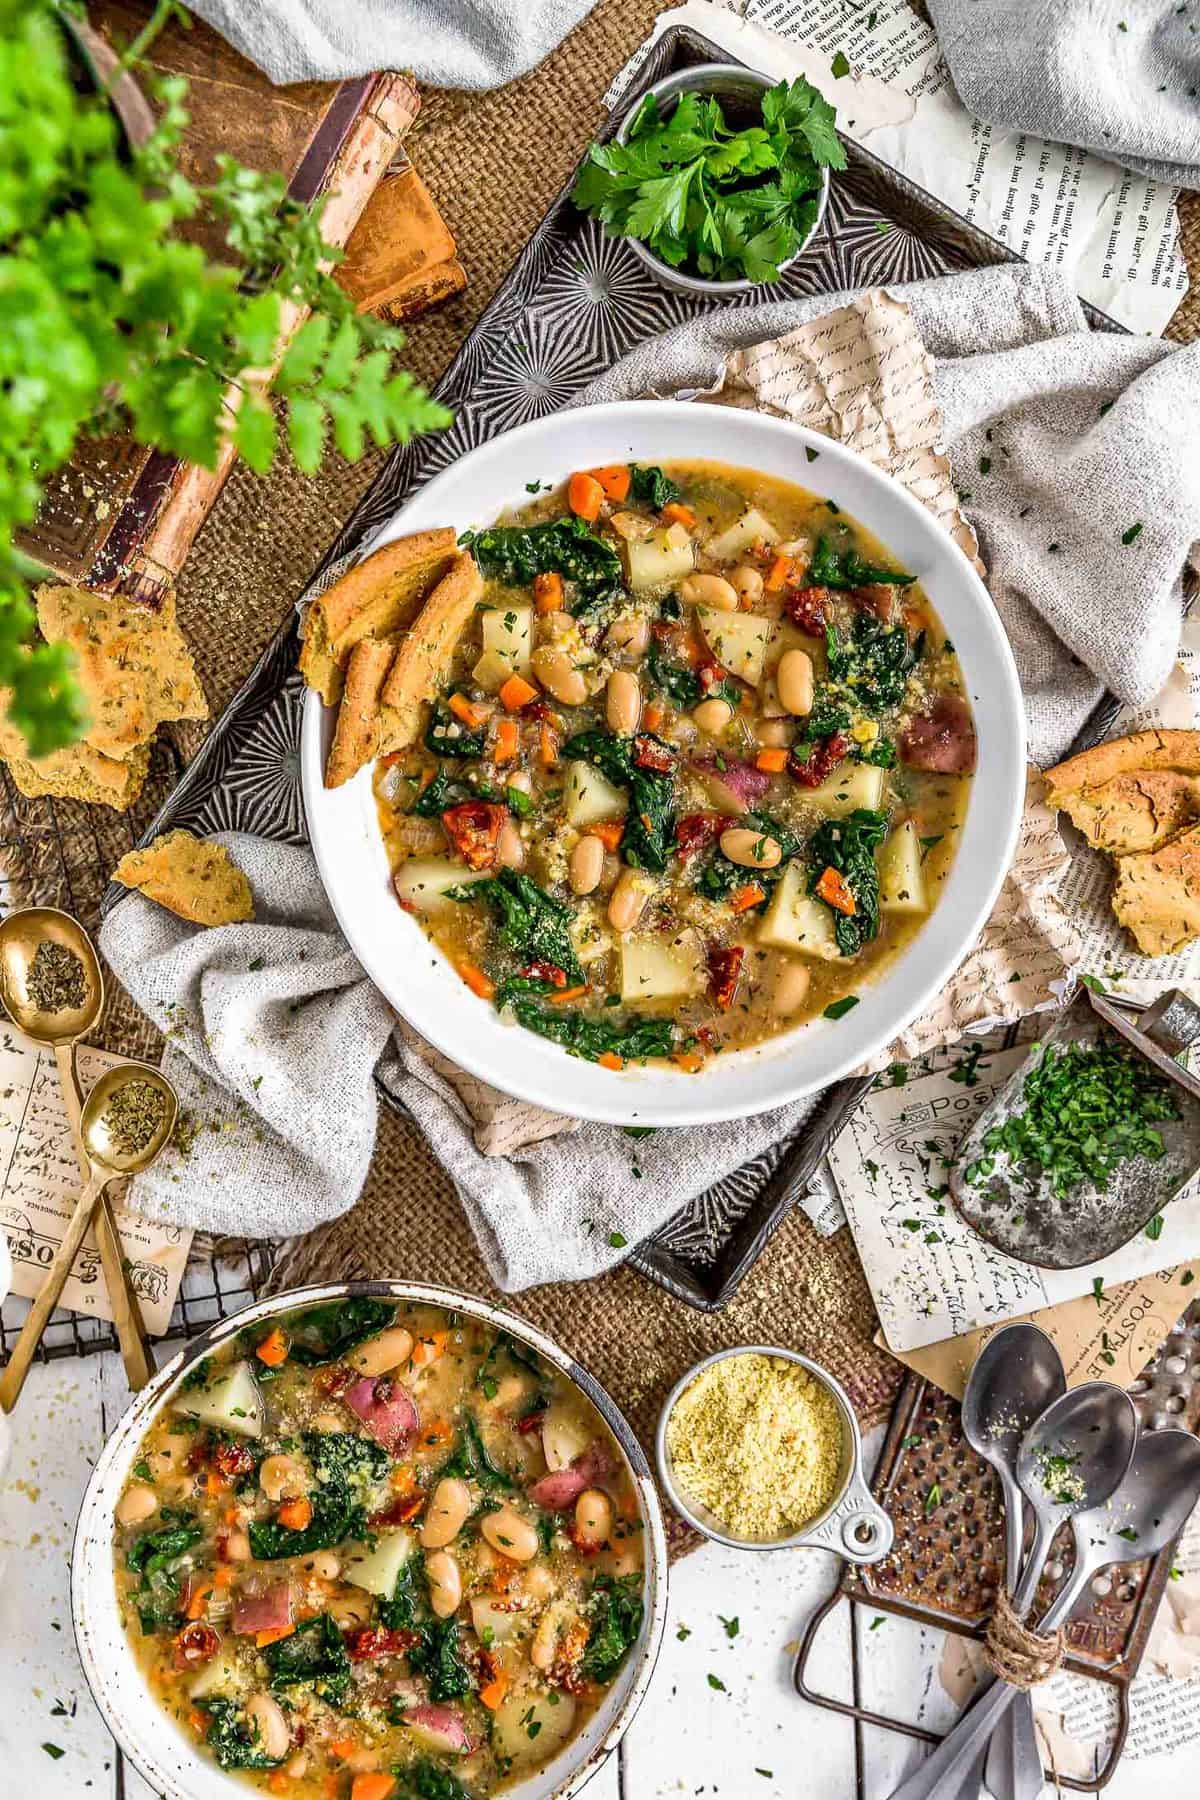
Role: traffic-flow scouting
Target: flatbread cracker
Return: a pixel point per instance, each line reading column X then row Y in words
column 197, row 880
column 76, row 773
column 379, row 596
column 356, row 738
column 1157, row 896
column 1134, row 812
column 1123, row 756
column 425, row 654
column 135, row 668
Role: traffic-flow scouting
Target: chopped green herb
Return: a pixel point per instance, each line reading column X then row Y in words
column 1131, row 533
column 839, row 1008
column 714, row 1681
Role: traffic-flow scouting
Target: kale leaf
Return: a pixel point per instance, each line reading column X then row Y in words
column 400, row 1613
column 828, row 716
column 673, row 679
column 426, row 1780
column 873, row 664
column 533, row 924
column 881, row 754
column 316, row 1652
column 443, row 791
column 438, row 1656
column 615, row 1608
column 650, row 826
column 151, row 1552
column 849, row 845
column 845, row 568
column 324, row 1334
column 447, row 736
column 232, row 1738
column 514, row 554
column 649, row 485
column 591, row 1038
column 343, row 1463
column 471, row 1461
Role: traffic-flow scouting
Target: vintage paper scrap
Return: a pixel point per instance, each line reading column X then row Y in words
column 42, row 1180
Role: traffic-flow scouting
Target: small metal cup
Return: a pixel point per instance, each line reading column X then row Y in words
column 853, row 1525
column 742, row 90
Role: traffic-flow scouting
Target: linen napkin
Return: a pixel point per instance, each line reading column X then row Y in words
column 1120, row 77
column 1086, row 431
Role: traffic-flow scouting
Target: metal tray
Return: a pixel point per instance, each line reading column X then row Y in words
column 574, row 302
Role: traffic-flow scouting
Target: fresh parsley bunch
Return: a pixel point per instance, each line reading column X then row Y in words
column 726, row 204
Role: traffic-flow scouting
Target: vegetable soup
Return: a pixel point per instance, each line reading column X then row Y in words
column 378, row 1551
column 697, row 770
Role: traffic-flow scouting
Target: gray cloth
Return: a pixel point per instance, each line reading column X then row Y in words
column 1119, row 77
column 449, row 43
column 274, row 1032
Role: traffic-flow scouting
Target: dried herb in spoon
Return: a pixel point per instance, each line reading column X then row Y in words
column 57, row 978
column 134, row 1115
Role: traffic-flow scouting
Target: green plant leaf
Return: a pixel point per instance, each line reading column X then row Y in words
column 254, row 434
column 306, row 432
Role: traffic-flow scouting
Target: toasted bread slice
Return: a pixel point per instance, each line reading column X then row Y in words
column 197, row 880
column 76, row 773
column 1123, row 756
column 1137, row 811
column 377, row 597
column 356, row 737
column 425, row 655
column 1157, row 896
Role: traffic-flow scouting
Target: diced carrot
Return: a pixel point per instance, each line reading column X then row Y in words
column 777, row 575
column 263, row 1638
column 653, row 715
column 565, row 994
column 585, row 496
column 689, row 1061
column 273, row 1349
column 516, row 693
column 675, row 513
column 407, row 1510
column 610, row 1060
column 198, row 1721
column 402, row 1480
column 476, row 979
column 296, row 1514
column 197, row 1604
column 833, row 889
column 278, row 1782
column 438, row 1431
column 614, row 480
column 372, row 1787
column 427, row 775
column 343, row 1747
column 609, row 831
column 743, row 898
column 771, row 762
column 473, row 713
column 548, row 592
column 507, row 741
column 428, row 1348
column 547, row 746
column 225, row 1576
column 493, row 1693
column 330, row 1784
column 214, row 1483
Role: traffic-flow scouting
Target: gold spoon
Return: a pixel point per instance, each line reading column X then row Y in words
column 101, row 1141
column 61, row 1030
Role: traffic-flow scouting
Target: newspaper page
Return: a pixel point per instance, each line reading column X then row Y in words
column 930, row 1275
column 42, row 1180
column 1114, row 233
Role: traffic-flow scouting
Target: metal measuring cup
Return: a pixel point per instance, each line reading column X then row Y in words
column 853, row 1525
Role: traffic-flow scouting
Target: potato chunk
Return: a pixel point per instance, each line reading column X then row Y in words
column 589, row 797
column 901, row 880
column 230, row 1403
column 508, row 632
column 655, row 967
column 740, row 538
column 737, row 640
column 424, row 883
column 795, row 921
column 662, row 557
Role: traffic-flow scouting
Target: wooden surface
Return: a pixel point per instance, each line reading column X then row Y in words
column 689, row 1738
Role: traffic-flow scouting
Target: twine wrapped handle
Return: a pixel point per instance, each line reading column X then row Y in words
column 1015, row 1654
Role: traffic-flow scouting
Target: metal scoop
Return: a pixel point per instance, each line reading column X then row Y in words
column 20, row 936
column 1020, row 1213
column 1147, row 1512
column 105, row 1161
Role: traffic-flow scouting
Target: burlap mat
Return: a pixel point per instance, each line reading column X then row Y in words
column 494, row 163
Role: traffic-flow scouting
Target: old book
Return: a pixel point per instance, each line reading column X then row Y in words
column 401, row 258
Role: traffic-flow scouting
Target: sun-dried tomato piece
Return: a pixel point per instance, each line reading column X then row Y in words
column 696, row 831
column 545, row 971
column 710, row 675
column 232, row 1460
column 335, row 1381
column 650, row 753
column 376, row 1641
column 401, row 1512
column 808, row 609
column 724, row 972
column 826, row 754
column 474, row 829
column 531, row 1422
column 197, row 1643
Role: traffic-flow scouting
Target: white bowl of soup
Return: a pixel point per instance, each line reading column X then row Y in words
column 371, row 1541
column 717, row 788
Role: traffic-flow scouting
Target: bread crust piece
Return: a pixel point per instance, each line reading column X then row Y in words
column 198, row 881
column 379, row 596
column 1124, row 756
column 356, row 737
column 78, row 773
column 1137, row 811
column 424, row 656
column 1157, row 896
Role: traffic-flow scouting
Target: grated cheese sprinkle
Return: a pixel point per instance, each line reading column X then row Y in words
column 758, row 1442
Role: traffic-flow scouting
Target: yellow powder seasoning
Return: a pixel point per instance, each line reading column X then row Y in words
column 757, row 1441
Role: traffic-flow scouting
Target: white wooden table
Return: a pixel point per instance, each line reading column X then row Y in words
column 750, row 1739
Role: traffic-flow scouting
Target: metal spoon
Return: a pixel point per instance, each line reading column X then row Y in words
column 1090, row 1433
column 1146, row 1514
column 105, row 1161
column 1016, row 1376
column 61, row 1031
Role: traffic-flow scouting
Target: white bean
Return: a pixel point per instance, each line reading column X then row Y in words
column 712, row 716
column 448, row 1512
column 328, row 1421
column 236, row 1547
column 135, row 1504
column 710, row 590
column 544, row 1642
column 558, row 675
column 748, row 582
column 775, row 733
column 349, row 1611
column 273, row 1736
column 751, row 849
column 628, row 902
column 296, row 1766
column 586, row 865
column 791, row 987
column 445, row 1583
column 282, row 1478
column 630, row 634
column 623, row 702
column 521, row 780
column 794, row 681
column 510, row 847
column 510, row 1534
column 593, row 1519
column 382, row 1353
column 324, row 1565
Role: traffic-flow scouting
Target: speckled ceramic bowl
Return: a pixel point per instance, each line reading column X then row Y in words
column 171, row 1762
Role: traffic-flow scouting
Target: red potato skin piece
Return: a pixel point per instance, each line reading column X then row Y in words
column 474, row 829
column 387, row 1410
column 941, row 741
column 826, row 754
